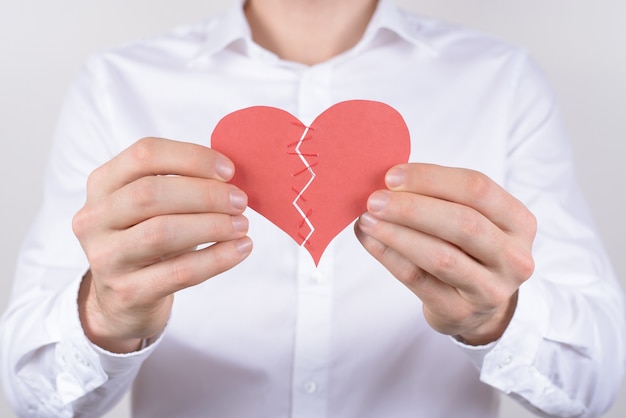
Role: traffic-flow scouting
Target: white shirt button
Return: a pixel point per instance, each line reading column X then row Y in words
column 508, row 360
column 310, row 387
column 81, row 360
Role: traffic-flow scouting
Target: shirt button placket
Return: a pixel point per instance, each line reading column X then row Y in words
column 312, row 336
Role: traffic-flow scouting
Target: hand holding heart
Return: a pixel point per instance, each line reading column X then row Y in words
column 456, row 239
column 146, row 211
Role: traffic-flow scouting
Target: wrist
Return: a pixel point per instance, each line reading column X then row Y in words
column 89, row 312
column 493, row 328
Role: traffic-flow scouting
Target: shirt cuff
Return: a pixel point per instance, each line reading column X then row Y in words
column 509, row 364
column 476, row 353
column 519, row 342
column 83, row 365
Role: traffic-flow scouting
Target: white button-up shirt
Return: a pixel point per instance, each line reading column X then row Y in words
column 277, row 336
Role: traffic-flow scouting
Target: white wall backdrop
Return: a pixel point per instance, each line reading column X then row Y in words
column 581, row 44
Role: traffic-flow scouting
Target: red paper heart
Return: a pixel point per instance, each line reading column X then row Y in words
column 313, row 181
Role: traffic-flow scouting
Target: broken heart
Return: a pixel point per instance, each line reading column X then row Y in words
column 313, row 181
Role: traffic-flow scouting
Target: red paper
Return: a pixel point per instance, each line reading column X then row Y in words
column 313, row 181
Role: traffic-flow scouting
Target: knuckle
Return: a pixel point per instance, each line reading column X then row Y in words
column 143, row 150
column 521, row 262
column 81, row 221
column 101, row 255
column 415, row 276
column 85, row 221
column 478, row 184
column 410, row 208
column 530, row 223
column 469, row 224
column 156, row 232
column 444, row 261
column 146, row 191
column 95, row 178
column 181, row 273
column 219, row 227
column 217, row 195
column 526, row 266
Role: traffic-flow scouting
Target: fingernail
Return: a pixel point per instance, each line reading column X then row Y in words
column 224, row 168
column 395, row 177
column 244, row 245
column 367, row 220
column 378, row 201
column 240, row 223
column 238, row 199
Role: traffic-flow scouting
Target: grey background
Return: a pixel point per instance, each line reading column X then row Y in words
column 580, row 44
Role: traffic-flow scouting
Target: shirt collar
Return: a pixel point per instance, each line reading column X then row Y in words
column 389, row 18
column 231, row 27
column 224, row 29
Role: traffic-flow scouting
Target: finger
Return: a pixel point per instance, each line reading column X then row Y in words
column 466, row 187
column 161, row 237
column 439, row 258
column 430, row 290
column 161, row 195
column 458, row 224
column 193, row 268
column 398, row 265
column 157, row 156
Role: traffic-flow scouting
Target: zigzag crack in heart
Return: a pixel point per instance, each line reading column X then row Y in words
column 308, row 168
column 354, row 144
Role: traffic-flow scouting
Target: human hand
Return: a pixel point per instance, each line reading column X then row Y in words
column 146, row 212
column 456, row 239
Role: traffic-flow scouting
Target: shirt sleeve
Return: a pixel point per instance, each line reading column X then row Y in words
column 49, row 367
column 563, row 354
